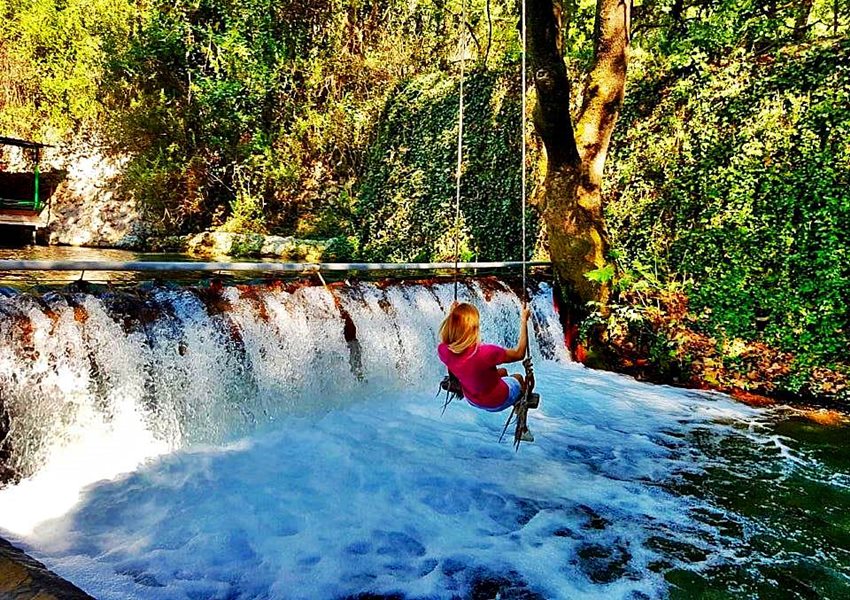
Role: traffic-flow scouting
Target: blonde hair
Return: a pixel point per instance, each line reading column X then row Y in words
column 460, row 329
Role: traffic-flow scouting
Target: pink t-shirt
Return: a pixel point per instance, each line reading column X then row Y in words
column 475, row 367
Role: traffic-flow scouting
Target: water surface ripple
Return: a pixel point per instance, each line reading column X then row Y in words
column 236, row 473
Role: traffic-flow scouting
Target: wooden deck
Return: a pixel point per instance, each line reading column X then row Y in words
column 23, row 218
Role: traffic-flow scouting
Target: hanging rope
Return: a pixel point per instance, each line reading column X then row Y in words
column 450, row 384
column 528, row 399
column 459, row 140
column 522, row 167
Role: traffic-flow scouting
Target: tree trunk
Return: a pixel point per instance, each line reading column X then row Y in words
column 801, row 20
column 677, row 11
column 571, row 194
column 835, row 11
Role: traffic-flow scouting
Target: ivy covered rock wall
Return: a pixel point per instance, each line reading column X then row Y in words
column 733, row 179
column 406, row 200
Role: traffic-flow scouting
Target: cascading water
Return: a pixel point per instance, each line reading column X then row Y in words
column 184, row 367
column 267, row 442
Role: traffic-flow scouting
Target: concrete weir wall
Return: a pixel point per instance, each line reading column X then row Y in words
column 24, row 578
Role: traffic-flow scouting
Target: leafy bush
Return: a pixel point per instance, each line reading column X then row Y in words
column 256, row 116
column 341, row 249
column 53, row 57
column 247, row 245
column 736, row 181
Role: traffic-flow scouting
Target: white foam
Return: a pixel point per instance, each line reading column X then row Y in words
column 236, row 456
column 386, row 495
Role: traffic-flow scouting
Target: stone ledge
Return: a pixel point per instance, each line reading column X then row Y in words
column 222, row 243
column 24, row 578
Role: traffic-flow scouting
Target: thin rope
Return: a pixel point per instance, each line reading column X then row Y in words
column 522, row 170
column 522, row 408
column 459, row 142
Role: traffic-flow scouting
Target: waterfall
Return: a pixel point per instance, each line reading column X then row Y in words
column 104, row 380
column 286, row 441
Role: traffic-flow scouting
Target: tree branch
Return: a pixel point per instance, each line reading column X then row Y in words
column 489, row 32
column 471, row 30
column 549, row 73
column 606, row 82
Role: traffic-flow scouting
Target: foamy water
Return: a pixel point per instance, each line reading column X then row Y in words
column 283, row 464
column 387, row 496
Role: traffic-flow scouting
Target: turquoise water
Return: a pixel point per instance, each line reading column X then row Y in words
column 186, row 461
column 786, row 503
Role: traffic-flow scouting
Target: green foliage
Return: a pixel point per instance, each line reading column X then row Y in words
column 342, row 249
column 256, row 116
column 247, row 245
column 52, row 59
column 694, row 34
column 737, row 181
column 335, row 216
column 407, row 198
column 252, row 116
column 199, row 98
column 601, row 275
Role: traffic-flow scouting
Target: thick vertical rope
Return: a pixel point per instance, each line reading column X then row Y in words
column 459, row 140
column 522, row 169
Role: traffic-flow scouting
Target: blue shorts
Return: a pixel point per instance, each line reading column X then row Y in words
column 514, row 392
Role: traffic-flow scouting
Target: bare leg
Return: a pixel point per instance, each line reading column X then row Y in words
column 519, row 378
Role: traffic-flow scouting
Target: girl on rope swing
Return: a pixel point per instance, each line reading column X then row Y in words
column 483, row 383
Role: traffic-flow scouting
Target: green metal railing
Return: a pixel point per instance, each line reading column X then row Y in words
column 34, row 203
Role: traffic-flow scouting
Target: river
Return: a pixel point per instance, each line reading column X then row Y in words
column 287, row 443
